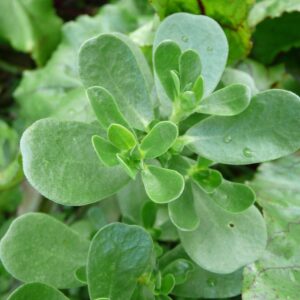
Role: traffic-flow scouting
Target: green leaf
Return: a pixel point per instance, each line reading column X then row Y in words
column 207, row 179
column 198, row 88
column 58, row 158
column 277, row 272
column 232, row 76
column 180, row 269
column 265, row 77
column 228, row 101
column 166, row 60
column 182, row 211
column 197, row 282
column 124, row 72
column 159, row 140
column 224, row 242
column 80, row 274
column 105, row 107
column 149, row 214
column 121, row 137
column 131, row 199
column 36, row 291
column 234, row 197
column 105, row 150
column 162, row 185
column 188, row 74
column 233, row 19
column 280, row 17
column 32, row 27
column 204, row 284
column 271, row 9
column 168, row 7
column 130, row 166
column 167, row 284
column 201, row 34
column 284, row 37
column 47, row 251
column 278, row 192
column 250, row 136
column 55, row 90
column 118, row 256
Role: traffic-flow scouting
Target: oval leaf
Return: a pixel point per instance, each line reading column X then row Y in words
column 189, row 68
column 36, row 291
column 266, row 130
column 166, row 60
column 160, row 138
column 118, row 256
column 207, row 285
column 224, row 242
column 207, row 179
column 105, row 150
column 58, row 158
column 162, row 185
column 229, row 101
column 234, row 197
column 39, row 248
column 121, row 137
column 115, row 63
column 202, row 34
column 182, row 211
column 105, row 107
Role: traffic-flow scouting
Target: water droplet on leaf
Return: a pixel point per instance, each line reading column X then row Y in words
column 247, row 152
column 227, row 139
column 185, row 38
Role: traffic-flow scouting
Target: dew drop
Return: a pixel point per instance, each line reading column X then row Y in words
column 211, row 282
column 227, row 139
column 185, row 38
column 247, row 152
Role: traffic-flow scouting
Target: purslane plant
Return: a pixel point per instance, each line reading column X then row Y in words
column 141, row 132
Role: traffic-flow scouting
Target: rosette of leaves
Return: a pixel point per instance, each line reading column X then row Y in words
column 75, row 163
